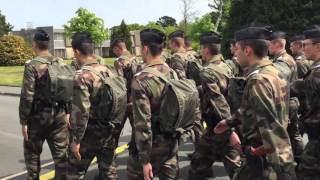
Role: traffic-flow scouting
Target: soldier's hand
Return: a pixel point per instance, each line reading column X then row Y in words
column 76, row 150
column 221, row 127
column 147, row 171
column 234, row 140
column 24, row 130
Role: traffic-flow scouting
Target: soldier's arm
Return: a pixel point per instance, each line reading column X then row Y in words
column 80, row 108
column 262, row 101
column 27, row 93
column 217, row 100
column 142, row 121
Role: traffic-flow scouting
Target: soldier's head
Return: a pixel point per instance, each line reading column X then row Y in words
column 82, row 46
column 176, row 40
column 251, row 45
column 232, row 43
column 209, row 45
column 296, row 44
column 151, row 43
column 118, row 46
column 311, row 43
column 41, row 41
column 277, row 42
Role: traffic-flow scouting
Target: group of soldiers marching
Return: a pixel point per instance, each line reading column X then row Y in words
column 249, row 112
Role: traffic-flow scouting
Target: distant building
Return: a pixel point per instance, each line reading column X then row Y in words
column 60, row 45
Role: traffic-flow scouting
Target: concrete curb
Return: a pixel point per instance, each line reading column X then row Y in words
column 10, row 94
column 10, row 91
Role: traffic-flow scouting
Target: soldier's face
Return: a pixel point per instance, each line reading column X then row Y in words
column 273, row 47
column 240, row 53
column 117, row 51
column 310, row 49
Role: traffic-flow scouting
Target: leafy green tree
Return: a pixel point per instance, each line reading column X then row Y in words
column 166, row 21
column 5, row 27
column 135, row 27
column 14, row 51
column 89, row 22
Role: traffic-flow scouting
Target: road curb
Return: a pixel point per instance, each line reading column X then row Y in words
column 9, row 94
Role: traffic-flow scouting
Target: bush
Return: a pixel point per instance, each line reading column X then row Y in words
column 14, row 51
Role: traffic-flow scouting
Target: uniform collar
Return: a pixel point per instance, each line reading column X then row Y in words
column 214, row 59
column 315, row 65
column 281, row 53
column 261, row 63
column 180, row 50
column 156, row 62
column 90, row 62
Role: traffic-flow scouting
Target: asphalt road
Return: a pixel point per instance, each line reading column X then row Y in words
column 11, row 149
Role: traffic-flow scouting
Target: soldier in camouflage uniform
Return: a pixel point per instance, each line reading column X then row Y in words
column 236, row 69
column 288, row 71
column 214, row 106
column 179, row 58
column 88, row 137
column 308, row 168
column 41, row 118
column 266, row 143
column 188, row 48
column 156, row 153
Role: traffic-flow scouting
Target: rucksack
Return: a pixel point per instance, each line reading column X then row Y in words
column 179, row 103
column 111, row 108
column 235, row 92
column 61, row 80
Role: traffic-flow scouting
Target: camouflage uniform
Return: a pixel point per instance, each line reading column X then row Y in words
column 303, row 65
column 308, row 168
column 213, row 147
column 77, row 66
column 152, row 146
column 288, row 70
column 85, row 127
column 178, row 62
column 263, row 120
column 235, row 67
column 45, row 120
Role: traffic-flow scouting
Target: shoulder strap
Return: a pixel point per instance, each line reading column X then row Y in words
column 89, row 68
column 156, row 73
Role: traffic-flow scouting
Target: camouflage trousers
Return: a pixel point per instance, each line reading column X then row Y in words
column 93, row 145
column 210, row 149
column 54, row 130
column 164, row 160
column 294, row 130
column 259, row 170
column 309, row 167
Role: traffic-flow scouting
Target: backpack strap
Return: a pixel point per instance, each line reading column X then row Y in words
column 91, row 69
column 156, row 73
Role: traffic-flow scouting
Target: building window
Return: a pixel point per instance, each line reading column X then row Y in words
column 60, row 53
column 58, row 36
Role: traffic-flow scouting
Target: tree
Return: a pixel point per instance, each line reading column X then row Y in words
column 14, row 51
column 5, row 27
column 89, row 22
column 218, row 6
column 293, row 19
column 135, row 27
column 199, row 26
column 122, row 32
column 166, row 30
column 187, row 13
column 166, row 21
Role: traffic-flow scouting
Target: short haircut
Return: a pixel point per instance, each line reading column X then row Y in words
column 178, row 41
column 42, row 45
column 214, row 49
column 259, row 46
column 233, row 42
column 117, row 43
column 315, row 40
column 83, row 43
column 298, row 42
column 155, row 48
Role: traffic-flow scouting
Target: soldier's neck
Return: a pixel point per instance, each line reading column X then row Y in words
column 42, row 53
column 280, row 52
column 151, row 60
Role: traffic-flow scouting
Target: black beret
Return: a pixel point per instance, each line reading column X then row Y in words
column 41, row 35
column 313, row 32
column 152, row 36
column 297, row 38
column 176, row 34
column 210, row 37
column 278, row 35
column 252, row 33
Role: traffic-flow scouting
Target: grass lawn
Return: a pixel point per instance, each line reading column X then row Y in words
column 12, row 75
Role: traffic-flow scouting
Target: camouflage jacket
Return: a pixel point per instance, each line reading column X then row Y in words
column 178, row 62
column 134, row 65
column 235, row 67
column 214, row 78
column 86, row 86
column 286, row 65
column 262, row 116
column 303, row 65
column 310, row 86
column 35, row 91
column 77, row 66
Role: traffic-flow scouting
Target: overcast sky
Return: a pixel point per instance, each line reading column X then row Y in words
column 58, row 12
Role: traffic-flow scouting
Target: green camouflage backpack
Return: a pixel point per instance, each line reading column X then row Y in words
column 112, row 104
column 235, row 92
column 61, row 80
column 179, row 103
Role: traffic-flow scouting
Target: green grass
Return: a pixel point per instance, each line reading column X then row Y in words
column 12, row 75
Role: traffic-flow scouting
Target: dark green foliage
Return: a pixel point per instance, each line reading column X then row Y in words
column 121, row 32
